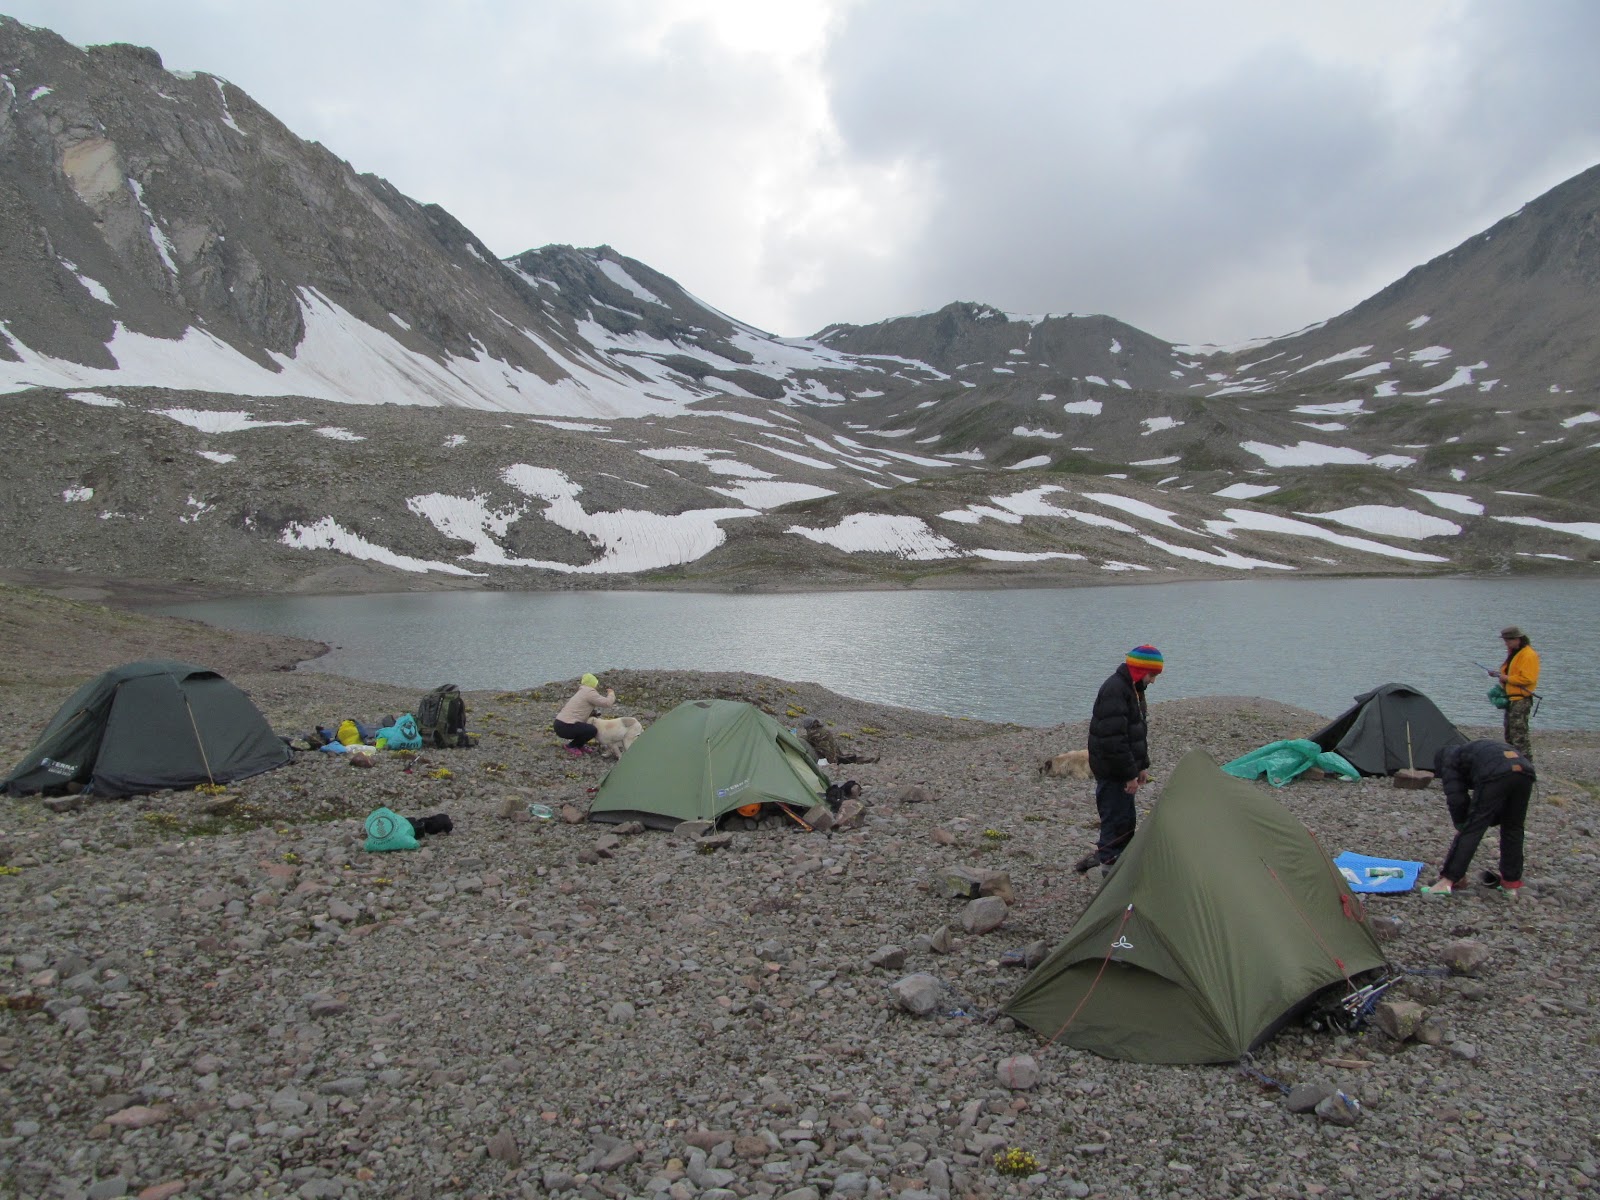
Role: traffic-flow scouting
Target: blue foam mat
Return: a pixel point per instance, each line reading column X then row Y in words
column 1355, row 867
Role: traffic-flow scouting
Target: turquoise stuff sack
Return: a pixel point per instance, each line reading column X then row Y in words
column 402, row 735
column 388, row 830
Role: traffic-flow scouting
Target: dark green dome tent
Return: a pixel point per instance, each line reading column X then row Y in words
column 145, row 726
column 704, row 759
column 1388, row 729
column 1221, row 921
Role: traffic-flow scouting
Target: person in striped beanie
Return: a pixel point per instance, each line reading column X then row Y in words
column 1119, row 752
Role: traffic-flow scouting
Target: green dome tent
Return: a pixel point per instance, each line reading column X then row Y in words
column 1221, row 921
column 706, row 758
column 1388, row 729
column 145, row 726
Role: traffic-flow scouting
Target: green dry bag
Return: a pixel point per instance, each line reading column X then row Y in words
column 1498, row 697
column 388, row 830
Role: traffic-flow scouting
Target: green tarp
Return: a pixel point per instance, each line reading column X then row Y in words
column 1220, row 921
column 704, row 759
column 1387, row 729
column 1284, row 762
column 146, row 726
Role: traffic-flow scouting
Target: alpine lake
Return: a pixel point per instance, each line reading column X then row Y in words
column 1031, row 656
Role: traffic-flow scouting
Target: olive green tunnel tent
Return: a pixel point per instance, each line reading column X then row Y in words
column 1222, row 921
column 146, row 726
column 1390, row 728
column 705, row 759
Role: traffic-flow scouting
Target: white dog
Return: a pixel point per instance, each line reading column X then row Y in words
column 616, row 734
column 1074, row 764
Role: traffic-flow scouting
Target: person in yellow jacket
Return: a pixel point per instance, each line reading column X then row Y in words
column 1519, row 675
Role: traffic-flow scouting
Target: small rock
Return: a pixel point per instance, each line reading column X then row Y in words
column 1019, row 1072
column 888, row 958
column 1386, row 928
column 137, row 1117
column 502, row 1147
column 1338, row 1109
column 1399, row 1018
column 1304, row 1097
column 919, row 994
column 984, row 914
column 1464, row 957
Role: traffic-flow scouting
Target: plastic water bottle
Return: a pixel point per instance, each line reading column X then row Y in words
column 1386, row 873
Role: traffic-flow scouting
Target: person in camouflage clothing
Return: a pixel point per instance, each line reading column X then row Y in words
column 1519, row 675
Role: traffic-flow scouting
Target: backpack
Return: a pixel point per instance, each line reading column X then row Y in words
column 442, row 718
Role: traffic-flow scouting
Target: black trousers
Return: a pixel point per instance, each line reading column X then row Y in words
column 577, row 733
column 1117, row 818
column 1502, row 802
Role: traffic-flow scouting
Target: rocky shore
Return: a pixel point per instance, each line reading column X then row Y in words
column 224, row 995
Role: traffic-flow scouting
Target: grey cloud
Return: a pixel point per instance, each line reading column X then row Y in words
column 1277, row 192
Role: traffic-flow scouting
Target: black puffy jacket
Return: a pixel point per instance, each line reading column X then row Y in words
column 1118, row 746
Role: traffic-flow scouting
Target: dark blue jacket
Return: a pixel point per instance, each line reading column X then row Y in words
column 1467, row 766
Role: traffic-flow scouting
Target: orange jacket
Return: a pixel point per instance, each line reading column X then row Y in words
column 1521, row 670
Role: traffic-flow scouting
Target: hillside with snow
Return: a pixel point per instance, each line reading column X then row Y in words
column 228, row 361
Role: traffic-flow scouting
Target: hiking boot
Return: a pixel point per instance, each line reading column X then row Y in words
column 1085, row 864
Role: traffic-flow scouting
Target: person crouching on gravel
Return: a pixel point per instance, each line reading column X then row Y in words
column 1119, row 752
column 1485, row 783
column 572, row 722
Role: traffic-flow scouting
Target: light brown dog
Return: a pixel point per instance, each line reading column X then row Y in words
column 616, row 734
column 1074, row 764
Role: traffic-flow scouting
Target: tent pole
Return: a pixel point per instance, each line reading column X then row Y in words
column 1410, row 764
column 200, row 744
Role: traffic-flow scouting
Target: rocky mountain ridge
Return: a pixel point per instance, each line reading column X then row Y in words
column 231, row 362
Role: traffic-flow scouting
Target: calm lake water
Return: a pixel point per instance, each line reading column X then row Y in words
column 1034, row 656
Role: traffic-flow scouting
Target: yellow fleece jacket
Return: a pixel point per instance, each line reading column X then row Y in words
column 1522, row 673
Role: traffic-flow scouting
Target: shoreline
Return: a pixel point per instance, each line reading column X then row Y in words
column 144, row 594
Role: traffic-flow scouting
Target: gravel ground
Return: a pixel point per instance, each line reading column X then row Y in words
column 225, row 996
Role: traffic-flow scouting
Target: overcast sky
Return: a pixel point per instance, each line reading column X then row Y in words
column 1207, row 172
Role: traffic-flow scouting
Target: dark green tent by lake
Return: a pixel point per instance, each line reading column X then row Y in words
column 1388, row 729
column 705, row 759
column 1221, row 921
column 147, row 726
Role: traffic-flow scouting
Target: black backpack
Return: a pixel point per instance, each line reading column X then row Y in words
column 442, row 718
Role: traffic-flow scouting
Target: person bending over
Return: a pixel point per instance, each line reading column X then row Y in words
column 573, row 721
column 1485, row 783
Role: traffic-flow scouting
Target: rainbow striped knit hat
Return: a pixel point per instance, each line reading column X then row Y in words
column 1147, row 658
